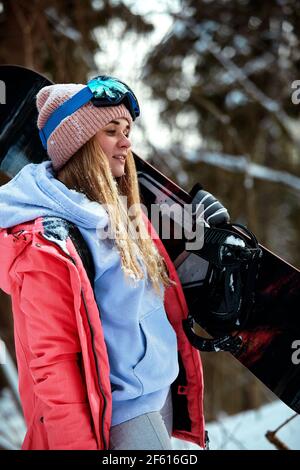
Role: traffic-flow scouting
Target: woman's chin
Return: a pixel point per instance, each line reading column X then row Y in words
column 118, row 174
column 119, row 171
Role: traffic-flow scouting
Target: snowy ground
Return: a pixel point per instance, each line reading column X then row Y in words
column 12, row 427
column 243, row 431
column 246, row 431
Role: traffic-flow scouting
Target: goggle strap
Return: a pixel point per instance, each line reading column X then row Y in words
column 64, row 110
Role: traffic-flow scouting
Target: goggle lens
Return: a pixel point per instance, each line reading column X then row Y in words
column 109, row 91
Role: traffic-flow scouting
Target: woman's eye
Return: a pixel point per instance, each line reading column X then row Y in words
column 113, row 132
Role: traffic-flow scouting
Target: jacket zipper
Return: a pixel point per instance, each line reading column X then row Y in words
column 92, row 334
column 98, row 373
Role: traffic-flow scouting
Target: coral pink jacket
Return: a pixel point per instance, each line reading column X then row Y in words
column 62, row 359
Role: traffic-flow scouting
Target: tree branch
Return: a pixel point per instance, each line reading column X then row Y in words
column 271, row 435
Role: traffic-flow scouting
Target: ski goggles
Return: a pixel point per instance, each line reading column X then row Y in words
column 109, row 91
column 102, row 91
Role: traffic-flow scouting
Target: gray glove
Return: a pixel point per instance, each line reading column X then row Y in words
column 211, row 210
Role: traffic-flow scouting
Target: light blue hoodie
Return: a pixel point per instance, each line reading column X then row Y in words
column 141, row 343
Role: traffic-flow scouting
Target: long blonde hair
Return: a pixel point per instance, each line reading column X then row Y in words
column 88, row 172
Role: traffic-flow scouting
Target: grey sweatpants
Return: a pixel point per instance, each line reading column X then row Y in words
column 150, row 431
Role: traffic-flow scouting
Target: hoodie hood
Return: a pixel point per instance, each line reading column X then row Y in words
column 35, row 192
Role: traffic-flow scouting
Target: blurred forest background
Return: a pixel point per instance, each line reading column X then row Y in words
column 215, row 80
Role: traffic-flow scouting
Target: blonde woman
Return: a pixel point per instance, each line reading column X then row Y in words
column 103, row 361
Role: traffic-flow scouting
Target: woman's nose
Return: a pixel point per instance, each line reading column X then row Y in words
column 125, row 142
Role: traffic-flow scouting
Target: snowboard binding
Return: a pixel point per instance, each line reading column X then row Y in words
column 228, row 290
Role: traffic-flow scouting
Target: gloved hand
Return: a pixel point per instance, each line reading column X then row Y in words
column 211, row 210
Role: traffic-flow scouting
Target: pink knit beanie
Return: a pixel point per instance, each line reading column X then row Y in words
column 75, row 130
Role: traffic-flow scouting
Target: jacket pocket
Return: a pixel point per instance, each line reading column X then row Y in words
column 36, row 436
column 158, row 368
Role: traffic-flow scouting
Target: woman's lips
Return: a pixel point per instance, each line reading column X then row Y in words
column 121, row 158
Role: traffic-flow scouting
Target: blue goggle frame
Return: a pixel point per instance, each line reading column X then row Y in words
column 102, row 91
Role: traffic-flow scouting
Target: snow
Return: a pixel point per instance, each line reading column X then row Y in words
column 231, row 240
column 241, row 164
column 246, row 431
column 61, row 24
column 12, row 426
column 231, row 284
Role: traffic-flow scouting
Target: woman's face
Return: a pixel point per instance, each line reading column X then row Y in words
column 114, row 141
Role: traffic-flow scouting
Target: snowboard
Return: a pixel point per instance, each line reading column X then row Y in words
column 267, row 340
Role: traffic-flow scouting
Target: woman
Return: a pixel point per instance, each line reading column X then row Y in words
column 97, row 304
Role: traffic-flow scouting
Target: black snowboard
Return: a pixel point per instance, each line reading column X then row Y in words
column 272, row 333
column 272, row 330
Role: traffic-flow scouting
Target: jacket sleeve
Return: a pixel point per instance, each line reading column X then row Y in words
column 47, row 303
